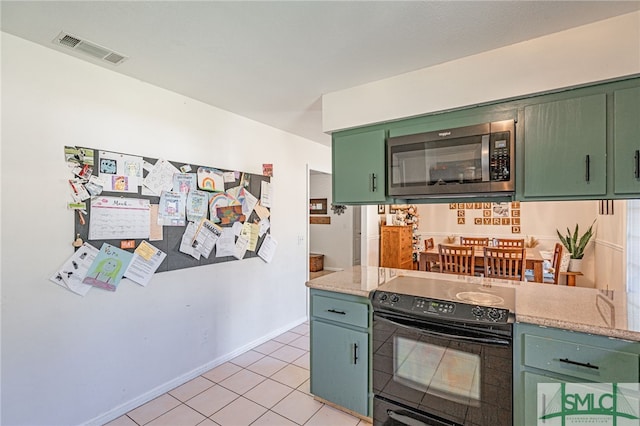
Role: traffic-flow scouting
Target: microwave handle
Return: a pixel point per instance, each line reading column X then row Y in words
column 484, row 162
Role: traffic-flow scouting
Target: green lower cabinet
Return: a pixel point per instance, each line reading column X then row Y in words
column 550, row 355
column 530, row 396
column 339, row 366
column 340, row 350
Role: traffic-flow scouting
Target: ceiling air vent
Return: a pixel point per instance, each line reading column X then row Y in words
column 89, row 48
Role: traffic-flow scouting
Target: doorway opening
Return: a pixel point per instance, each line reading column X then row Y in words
column 334, row 234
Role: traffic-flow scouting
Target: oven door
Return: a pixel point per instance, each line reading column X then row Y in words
column 441, row 372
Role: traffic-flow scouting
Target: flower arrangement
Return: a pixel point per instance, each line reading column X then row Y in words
column 531, row 242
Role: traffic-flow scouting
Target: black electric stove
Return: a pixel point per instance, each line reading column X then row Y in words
column 442, row 352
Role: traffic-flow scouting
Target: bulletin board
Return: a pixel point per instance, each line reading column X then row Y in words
column 135, row 190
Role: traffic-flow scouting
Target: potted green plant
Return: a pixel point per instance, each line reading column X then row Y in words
column 575, row 245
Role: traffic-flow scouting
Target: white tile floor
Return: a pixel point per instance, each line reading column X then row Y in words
column 266, row 386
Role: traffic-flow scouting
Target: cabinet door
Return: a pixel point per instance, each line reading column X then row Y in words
column 626, row 141
column 528, row 397
column 358, row 168
column 339, row 365
column 565, row 148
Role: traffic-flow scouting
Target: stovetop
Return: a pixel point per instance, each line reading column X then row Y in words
column 454, row 300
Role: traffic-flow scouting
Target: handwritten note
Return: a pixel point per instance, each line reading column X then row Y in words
column 268, row 248
column 119, row 218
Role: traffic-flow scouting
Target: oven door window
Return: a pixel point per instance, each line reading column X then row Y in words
column 444, row 372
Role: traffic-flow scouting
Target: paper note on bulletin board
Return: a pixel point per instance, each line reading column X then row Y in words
column 119, row 218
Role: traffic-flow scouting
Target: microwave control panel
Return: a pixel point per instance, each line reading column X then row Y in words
column 500, row 157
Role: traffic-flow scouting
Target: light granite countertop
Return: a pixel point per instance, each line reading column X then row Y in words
column 585, row 310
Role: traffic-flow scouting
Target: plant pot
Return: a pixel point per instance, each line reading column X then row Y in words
column 575, row 265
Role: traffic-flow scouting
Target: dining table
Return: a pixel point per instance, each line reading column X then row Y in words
column 534, row 260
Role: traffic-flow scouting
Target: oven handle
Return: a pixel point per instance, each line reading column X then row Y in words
column 405, row 420
column 496, row 341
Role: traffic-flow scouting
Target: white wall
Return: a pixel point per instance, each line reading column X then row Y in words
column 599, row 51
column 371, row 222
column 334, row 240
column 609, row 249
column 70, row 360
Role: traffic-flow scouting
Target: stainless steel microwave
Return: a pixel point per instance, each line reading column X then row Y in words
column 467, row 161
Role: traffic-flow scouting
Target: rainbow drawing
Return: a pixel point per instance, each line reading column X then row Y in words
column 210, row 179
column 218, row 200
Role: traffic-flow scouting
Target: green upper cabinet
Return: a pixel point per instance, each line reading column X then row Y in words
column 359, row 168
column 626, row 141
column 581, row 143
column 565, row 145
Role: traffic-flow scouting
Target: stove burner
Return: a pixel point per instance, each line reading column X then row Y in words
column 479, row 298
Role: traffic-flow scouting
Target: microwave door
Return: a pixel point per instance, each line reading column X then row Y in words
column 409, row 167
column 484, row 162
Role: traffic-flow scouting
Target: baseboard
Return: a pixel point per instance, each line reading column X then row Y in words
column 326, row 268
column 171, row 384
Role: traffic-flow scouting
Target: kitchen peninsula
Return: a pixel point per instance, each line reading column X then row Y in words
column 570, row 308
column 555, row 328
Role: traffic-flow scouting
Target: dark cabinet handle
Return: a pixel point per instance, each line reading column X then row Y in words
column 637, row 170
column 588, row 167
column 374, row 182
column 355, row 353
column 581, row 364
column 333, row 311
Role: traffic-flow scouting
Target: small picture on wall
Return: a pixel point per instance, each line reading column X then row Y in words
column 318, row 206
column 381, row 208
column 500, row 210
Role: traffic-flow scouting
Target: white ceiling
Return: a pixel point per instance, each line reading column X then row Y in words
column 272, row 61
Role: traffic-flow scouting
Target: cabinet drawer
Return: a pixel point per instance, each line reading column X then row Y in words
column 342, row 311
column 580, row 361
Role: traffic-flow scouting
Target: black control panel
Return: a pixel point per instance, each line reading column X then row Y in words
column 500, row 157
column 425, row 307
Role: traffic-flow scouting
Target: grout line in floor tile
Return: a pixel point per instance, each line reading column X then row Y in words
column 265, row 377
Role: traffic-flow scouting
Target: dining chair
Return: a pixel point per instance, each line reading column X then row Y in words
column 456, row 259
column 504, row 263
column 557, row 259
column 432, row 266
column 474, row 241
column 551, row 276
column 509, row 242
